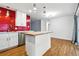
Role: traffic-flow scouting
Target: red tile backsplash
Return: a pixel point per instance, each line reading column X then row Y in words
column 7, row 20
column 27, row 23
column 8, row 23
column 20, row 28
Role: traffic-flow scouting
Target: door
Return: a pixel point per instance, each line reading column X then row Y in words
column 13, row 39
column 3, row 41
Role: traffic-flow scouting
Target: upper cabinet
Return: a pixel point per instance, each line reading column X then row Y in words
column 20, row 19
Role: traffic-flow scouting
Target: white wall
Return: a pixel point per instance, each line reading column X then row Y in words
column 43, row 25
column 62, row 27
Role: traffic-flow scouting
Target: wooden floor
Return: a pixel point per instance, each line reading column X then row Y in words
column 59, row 48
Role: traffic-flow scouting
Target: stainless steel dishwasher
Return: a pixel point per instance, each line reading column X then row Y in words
column 21, row 38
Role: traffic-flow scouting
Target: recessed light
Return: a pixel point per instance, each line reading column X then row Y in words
column 44, row 7
column 44, row 11
column 30, row 11
column 34, row 8
column 34, row 5
column 51, row 14
column 7, row 14
column 7, row 6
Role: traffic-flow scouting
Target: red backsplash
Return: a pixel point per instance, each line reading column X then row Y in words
column 8, row 20
column 20, row 28
column 8, row 23
column 27, row 23
column 4, row 27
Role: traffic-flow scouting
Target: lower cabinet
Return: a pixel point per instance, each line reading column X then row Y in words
column 8, row 40
column 13, row 39
column 3, row 41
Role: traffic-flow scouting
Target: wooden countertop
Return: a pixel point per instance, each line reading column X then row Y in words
column 34, row 33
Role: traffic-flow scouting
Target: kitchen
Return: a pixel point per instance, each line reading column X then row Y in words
column 14, row 27
column 33, row 25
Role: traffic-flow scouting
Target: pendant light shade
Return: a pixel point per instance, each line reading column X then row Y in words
column 0, row 11
column 7, row 14
column 34, row 7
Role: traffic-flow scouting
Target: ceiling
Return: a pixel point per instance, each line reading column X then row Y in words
column 54, row 9
column 77, row 11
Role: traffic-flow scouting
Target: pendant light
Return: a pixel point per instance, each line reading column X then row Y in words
column 0, row 13
column 34, row 7
column 44, row 12
column 7, row 14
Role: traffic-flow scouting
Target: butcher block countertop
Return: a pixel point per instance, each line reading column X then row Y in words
column 34, row 33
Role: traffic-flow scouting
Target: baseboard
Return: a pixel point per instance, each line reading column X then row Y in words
column 3, row 50
column 60, row 38
column 76, row 43
column 46, row 52
column 21, row 44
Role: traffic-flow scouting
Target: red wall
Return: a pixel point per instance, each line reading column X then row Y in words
column 9, row 21
column 20, row 28
column 28, row 23
column 12, row 20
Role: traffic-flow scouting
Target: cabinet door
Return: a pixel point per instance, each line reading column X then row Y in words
column 30, row 45
column 42, row 44
column 13, row 39
column 3, row 41
column 20, row 19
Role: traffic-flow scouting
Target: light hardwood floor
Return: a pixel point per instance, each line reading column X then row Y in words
column 59, row 47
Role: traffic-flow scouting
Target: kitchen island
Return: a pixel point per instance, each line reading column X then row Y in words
column 37, row 43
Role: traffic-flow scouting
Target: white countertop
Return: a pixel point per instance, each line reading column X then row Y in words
column 29, row 32
column 35, row 33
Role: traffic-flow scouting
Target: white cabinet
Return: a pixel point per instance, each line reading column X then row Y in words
column 37, row 45
column 3, row 41
column 30, row 45
column 43, row 43
column 8, row 40
column 13, row 39
column 20, row 19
